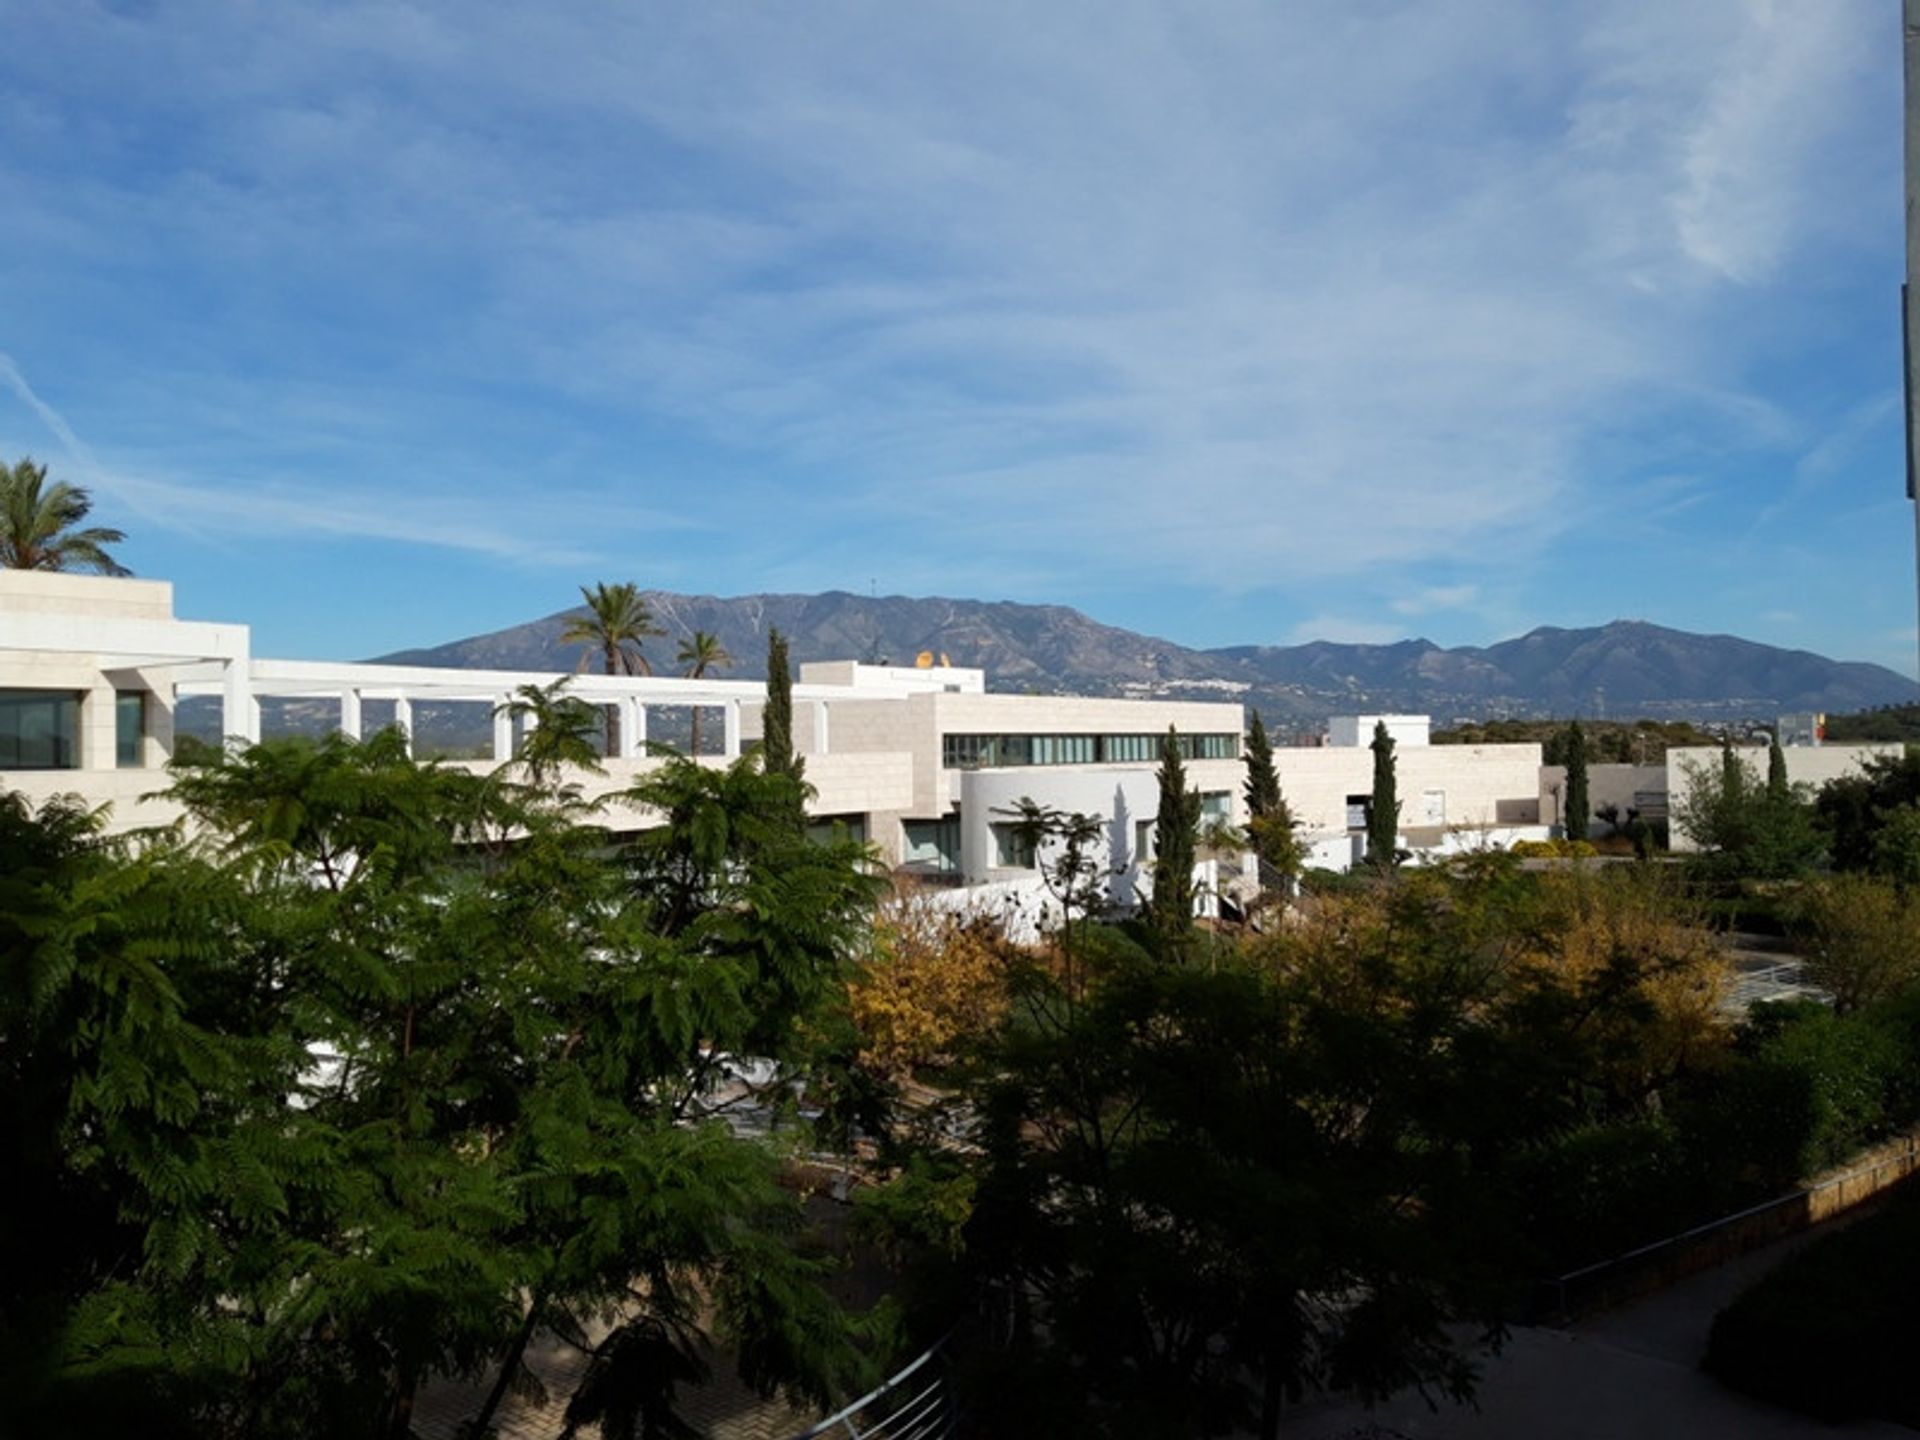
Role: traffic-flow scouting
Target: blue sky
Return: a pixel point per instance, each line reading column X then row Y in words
column 378, row 325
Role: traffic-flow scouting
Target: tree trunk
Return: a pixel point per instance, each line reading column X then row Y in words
column 400, row 1418
column 507, row 1368
column 613, row 711
column 694, row 749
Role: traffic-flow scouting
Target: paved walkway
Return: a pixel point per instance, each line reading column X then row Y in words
column 1633, row 1372
column 722, row 1409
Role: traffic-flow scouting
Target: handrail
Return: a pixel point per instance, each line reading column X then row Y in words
column 929, row 1411
column 1626, row 1260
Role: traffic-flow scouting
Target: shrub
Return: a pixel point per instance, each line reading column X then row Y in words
column 1834, row 1330
column 1554, row 849
column 1602, row 1189
column 1805, row 1091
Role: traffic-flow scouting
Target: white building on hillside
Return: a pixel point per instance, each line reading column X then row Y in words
column 923, row 763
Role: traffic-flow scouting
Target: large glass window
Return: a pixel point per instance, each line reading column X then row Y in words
column 129, row 728
column 1012, row 847
column 934, row 844
column 834, row 829
column 970, row 752
column 39, row 730
column 1216, row 808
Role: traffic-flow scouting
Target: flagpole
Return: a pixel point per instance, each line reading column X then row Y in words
column 1909, row 312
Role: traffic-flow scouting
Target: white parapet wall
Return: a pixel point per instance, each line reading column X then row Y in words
column 1356, row 731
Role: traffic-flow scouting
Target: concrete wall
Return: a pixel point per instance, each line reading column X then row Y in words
column 1624, row 786
column 98, row 597
column 1476, row 785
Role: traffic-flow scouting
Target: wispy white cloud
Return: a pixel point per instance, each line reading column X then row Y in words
column 1345, row 630
column 522, row 531
column 1437, row 597
column 985, row 294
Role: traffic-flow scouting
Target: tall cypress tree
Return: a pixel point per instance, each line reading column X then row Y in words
column 1270, row 824
column 1777, row 787
column 1263, row 781
column 1383, row 813
column 776, row 745
column 1579, row 814
column 1174, row 824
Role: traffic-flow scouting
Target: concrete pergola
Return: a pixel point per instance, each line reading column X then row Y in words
column 202, row 658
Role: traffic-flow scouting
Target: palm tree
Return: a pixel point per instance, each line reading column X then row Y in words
column 37, row 523
column 702, row 653
column 617, row 621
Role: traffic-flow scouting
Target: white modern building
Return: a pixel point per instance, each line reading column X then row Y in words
column 923, row 763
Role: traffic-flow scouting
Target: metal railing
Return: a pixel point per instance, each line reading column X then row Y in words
column 1786, row 980
column 1637, row 1272
column 917, row 1403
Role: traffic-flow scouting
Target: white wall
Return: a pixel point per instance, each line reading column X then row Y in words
column 1623, row 786
column 1351, row 731
column 1122, row 797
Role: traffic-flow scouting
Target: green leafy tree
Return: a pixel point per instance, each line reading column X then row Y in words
column 1176, row 823
column 1064, row 846
column 1271, row 827
column 1729, row 813
column 1203, row 1190
column 40, row 524
column 617, row 622
column 702, row 654
column 1862, row 938
column 1854, row 809
column 562, row 730
column 1383, row 811
column 500, row 1058
column 1579, row 812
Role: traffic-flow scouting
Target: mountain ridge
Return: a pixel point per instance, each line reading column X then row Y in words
column 1634, row 666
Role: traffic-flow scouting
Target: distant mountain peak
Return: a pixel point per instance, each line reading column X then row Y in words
column 1631, row 665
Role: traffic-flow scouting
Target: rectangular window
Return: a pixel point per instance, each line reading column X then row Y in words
column 129, row 728
column 967, row 752
column 1216, row 808
column 1012, row 849
column 836, row 829
column 933, row 844
column 1357, row 808
column 1433, row 806
column 39, row 730
column 1142, row 842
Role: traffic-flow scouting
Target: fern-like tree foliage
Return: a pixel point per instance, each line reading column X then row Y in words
column 390, row 1069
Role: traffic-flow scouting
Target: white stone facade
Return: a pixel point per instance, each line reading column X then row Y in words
column 922, row 759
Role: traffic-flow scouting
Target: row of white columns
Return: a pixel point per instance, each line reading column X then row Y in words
column 241, row 718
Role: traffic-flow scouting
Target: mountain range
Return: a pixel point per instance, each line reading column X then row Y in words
column 1626, row 668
